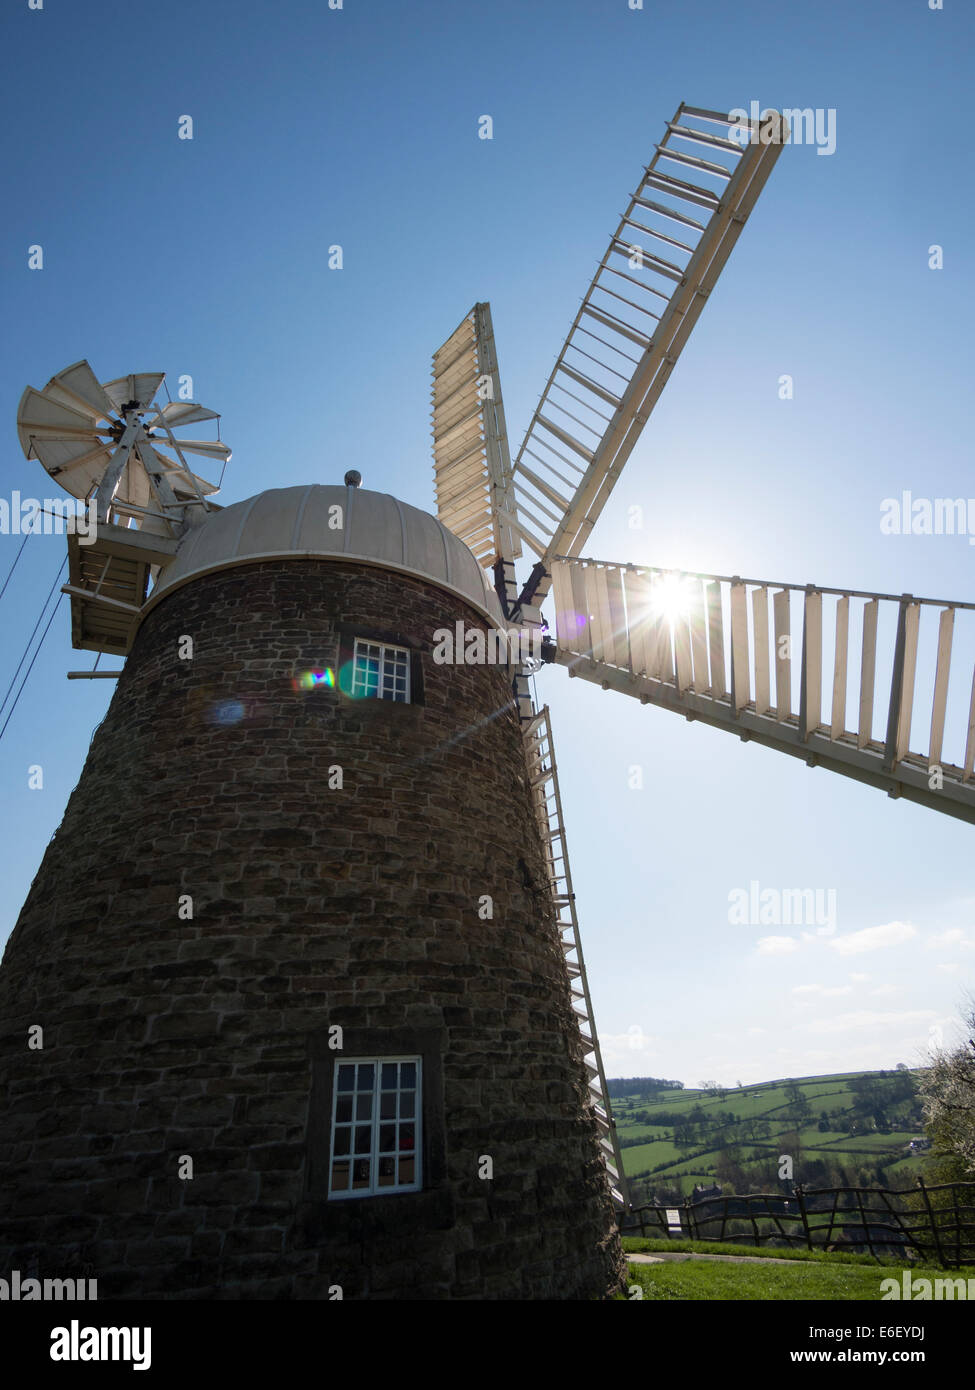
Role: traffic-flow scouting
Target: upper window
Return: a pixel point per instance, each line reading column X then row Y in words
column 375, row 1127
column 380, row 672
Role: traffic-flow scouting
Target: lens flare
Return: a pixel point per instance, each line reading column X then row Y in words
column 308, row 680
column 227, row 712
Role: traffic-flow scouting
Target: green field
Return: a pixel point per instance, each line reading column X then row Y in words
column 761, row 1121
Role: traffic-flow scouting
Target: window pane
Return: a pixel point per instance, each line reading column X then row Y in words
column 340, row 1176
column 343, row 1140
column 346, row 1078
column 387, row 1172
column 406, row 1136
column 366, row 1073
column 387, row 1139
column 363, row 1138
column 360, row 1176
column 407, row 1074
column 363, row 1106
column 389, row 1076
column 343, row 1109
column 406, row 1170
column 387, row 1106
column 407, row 1105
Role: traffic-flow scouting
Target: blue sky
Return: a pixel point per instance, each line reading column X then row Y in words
column 358, row 127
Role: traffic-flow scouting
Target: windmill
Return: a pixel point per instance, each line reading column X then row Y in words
column 468, row 1089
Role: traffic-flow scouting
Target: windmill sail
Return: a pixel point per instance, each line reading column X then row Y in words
column 800, row 673
column 650, row 287
column 471, row 464
column 94, row 442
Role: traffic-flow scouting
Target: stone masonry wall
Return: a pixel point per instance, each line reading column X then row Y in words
column 312, row 907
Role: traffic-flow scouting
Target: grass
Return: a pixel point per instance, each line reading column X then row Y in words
column 709, row 1280
column 809, row 1276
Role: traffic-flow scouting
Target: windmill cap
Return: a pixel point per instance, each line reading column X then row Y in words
column 319, row 522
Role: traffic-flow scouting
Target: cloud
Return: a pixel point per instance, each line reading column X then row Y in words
column 954, row 936
column 867, row 1018
column 858, row 977
column 821, row 990
column 631, row 1053
column 873, row 938
column 777, row 945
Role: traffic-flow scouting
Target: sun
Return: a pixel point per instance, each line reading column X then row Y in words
column 670, row 597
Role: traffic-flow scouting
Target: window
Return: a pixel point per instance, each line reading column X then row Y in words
column 380, row 672
column 376, row 1109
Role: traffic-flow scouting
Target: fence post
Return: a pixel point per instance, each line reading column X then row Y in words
column 801, row 1199
column 934, row 1229
column 864, row 1224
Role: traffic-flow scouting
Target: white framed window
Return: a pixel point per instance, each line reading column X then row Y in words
column 380, row 672
column 376, row 1129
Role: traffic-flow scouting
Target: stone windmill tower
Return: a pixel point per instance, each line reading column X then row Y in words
column 296, row 1003
column 287, row 1010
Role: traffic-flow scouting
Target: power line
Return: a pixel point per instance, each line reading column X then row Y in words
column 37, row 651
column 20, row 663
column 14, row 565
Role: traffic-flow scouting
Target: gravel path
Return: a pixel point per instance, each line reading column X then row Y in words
column 679, row 1255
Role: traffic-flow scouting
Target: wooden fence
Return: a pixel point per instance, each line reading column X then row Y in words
column 936, row 1223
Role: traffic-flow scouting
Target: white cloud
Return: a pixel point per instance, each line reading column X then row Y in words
column 858, row 977
column 821, row 990
column 867, row 1018
column 954, row 936
column 873, row 938
column 777, row 945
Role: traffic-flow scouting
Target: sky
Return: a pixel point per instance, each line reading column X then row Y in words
column 315, row 127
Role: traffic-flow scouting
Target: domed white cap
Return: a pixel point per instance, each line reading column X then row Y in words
column 293, row 522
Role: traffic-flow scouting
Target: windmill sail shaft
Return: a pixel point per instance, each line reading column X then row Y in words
column 831, row 676
column 647, row 294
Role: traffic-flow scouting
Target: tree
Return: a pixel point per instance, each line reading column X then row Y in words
column 947, row 1092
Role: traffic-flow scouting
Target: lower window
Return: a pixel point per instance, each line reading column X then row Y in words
column 375, row 1130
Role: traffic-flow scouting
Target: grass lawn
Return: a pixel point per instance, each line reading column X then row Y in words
column 808, row 1276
